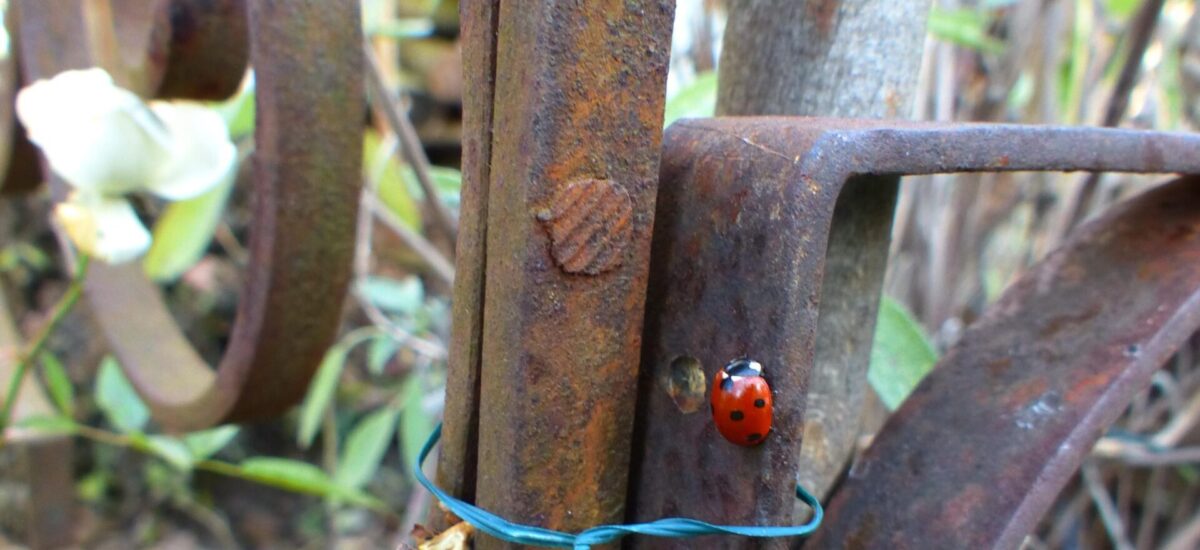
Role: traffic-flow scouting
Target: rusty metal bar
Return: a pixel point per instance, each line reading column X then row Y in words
column 574, row 161
column 306, row 167
column 979, row 451
column 457, row 459
column 745, row 212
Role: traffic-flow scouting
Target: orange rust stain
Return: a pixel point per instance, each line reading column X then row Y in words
column 962, row 507
column 1087, row 387
column 1021, row 395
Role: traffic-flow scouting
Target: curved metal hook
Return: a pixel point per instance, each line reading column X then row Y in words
column 308, row 59
column 977, row 454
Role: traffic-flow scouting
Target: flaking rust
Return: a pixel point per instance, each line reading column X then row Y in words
column 589, row 225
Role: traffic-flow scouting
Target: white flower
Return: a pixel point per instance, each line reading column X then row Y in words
column 106, row 143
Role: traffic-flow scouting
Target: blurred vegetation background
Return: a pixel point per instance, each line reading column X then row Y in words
column 336, row 472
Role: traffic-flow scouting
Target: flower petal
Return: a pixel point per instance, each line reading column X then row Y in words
column 201, row 155
column 103, row 227
column 98, row 137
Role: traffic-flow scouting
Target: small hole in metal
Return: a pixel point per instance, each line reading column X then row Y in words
column 686, row 383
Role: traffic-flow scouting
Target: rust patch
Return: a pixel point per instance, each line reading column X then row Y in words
column 999, row 365
column 1057, row 324
column 823, row 14
column 963, row 507
column 589, row 225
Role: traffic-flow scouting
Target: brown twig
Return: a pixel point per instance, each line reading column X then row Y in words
column 1141, row 29
column 440, row 266
column 410, row 146
column 362, row 269
column 1108, row 510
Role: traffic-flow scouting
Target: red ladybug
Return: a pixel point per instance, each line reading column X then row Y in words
column 741, row 403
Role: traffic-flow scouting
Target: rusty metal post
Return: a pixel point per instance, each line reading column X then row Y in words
column 574, row 144
column 457, row 459
column 745, row 212
column 308, row 59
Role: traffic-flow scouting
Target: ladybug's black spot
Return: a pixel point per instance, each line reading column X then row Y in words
column 753, row 437
column 759, row 403
column 736, row 415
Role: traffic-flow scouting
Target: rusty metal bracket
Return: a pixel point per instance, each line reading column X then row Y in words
column 744, row 214
column 308, row 59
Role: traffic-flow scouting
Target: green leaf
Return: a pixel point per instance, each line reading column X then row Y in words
column 300, row 477
column 92, row 487
column 382, row 167
column 205, row 443
column 902, row 354
column 416, row 425
column 48, row 424
column 965, row 27
column 402, row 297
column 379, row 353
column 116, row 397
column 170, row 449
column 320, row 392
column 238, row 111
column 365, row 447
column 697, row 99
column 293, row 475
column 324, row 384
column 446, row 181
column 58, row 384
column 184, row 230
column 1121, row 9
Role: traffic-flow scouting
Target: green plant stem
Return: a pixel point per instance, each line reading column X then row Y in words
column 207, row 465
column 64, row 306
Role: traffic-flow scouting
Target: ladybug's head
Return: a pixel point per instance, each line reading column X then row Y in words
column 744, row 367
column 737, row 370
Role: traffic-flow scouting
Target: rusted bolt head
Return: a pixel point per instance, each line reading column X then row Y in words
column 589, row 223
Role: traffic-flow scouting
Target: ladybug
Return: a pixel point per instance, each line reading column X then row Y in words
column 741, row 403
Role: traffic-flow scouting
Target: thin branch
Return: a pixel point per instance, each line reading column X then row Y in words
column 1186, row 537
column 1108, row 510
column 1141, row 29
column 27, row 357
column 362, row 268
column 410, row 146
column 439, row 265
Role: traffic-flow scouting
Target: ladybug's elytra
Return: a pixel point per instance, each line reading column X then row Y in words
column 741, row 402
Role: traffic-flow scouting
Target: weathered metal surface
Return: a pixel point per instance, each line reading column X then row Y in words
column 306, row 173
column 141, row 34
column 208, row 50
column 18, row 166
column 578, row 95
column 978, row 452
column 745, row 211
column 457, row 458
column 52, row 37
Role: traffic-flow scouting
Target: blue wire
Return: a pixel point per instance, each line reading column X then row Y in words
column 503, row 529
